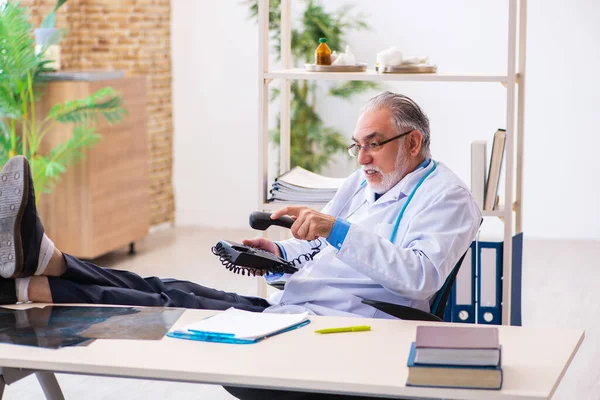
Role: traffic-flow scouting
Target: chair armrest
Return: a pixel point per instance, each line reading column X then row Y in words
column 402, row 312
column 277, row 285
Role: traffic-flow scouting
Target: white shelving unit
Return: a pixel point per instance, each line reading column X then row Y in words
column 513, row 81
column 371, row 75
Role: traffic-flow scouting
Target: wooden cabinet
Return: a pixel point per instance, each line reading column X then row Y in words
column 101, row 202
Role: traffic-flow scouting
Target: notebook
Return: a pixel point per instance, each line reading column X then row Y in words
column 239, row 327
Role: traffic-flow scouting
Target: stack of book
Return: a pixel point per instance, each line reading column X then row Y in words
column 455, row 357
column 299, row 185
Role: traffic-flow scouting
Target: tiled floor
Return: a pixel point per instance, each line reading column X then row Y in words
column 559, row 290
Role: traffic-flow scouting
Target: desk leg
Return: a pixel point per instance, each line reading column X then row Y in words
column 1, row 387
column 50, row 386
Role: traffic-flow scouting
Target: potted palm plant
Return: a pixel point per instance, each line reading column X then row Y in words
column 22, row 129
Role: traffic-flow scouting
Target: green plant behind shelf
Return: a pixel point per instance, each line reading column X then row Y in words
column 21, row 86
column 50, row 20
column 312, row 142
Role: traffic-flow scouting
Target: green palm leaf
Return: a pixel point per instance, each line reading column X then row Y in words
column 105, row 101
column 48, row 169
column 17, row 52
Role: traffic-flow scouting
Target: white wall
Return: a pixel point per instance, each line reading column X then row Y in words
column 215, row 112
column 216, row 91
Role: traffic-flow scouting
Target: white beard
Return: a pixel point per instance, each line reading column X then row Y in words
column 388, row 180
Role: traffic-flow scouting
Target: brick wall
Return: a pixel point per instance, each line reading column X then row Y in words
column 134, row 36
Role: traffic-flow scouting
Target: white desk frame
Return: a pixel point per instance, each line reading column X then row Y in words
column 368, row 363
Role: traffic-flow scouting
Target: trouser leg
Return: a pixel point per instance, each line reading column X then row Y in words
column 84, row 282
column 64, row 291
column 85, row 272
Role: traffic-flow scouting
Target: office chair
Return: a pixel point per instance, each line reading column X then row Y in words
column 437, row 303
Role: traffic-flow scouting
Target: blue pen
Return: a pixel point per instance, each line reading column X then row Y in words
column 224, row 337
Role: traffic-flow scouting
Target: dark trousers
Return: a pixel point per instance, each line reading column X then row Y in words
column 85, row 282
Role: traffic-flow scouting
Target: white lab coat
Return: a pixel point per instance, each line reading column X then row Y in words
column 438, row 225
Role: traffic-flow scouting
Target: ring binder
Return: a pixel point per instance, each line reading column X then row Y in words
column 463, row 291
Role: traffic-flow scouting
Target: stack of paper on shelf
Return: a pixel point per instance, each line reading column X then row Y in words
column 301, row 186
column 455, row 357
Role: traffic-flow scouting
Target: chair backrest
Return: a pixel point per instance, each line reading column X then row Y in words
column 438, row 303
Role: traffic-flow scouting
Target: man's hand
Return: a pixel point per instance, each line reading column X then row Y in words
column 309, row 225
column 263, row 244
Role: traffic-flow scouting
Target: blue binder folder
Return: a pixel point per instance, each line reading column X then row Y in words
column 462, row 303
column 489, row 288
column 517, row 275
column 489, row 281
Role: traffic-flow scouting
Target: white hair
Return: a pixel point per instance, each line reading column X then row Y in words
column 406, row 114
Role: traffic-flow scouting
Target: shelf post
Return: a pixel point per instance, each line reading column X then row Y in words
column 521, row 114
column 286, row 63
column 510, row 134
column 263, row 112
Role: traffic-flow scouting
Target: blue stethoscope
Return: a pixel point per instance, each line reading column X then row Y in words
column 363, row 184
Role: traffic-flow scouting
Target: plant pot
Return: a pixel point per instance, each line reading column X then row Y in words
column 48, row 38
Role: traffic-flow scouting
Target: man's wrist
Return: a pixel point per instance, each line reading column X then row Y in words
column 338, row 233
column 282, row 252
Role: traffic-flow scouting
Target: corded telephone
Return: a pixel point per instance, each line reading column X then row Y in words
column 243, row 259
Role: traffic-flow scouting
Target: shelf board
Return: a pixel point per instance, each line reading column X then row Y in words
column 493, row 213
column 271, row 206
column 371, row 75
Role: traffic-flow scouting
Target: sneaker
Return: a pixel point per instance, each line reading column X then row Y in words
column 8, row 291
column 21, row 229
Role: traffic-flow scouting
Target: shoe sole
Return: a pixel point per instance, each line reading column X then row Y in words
column 14, row 189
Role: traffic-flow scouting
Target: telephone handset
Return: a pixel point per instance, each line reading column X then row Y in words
column 239, row 258
column 262, row 220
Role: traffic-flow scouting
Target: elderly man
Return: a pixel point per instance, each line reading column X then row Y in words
column 392, row 233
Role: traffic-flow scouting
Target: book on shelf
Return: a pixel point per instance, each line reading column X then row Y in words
column 452, row 376
column 457, row 346
column 299, row 185
column 478, row 170
column 493, row 180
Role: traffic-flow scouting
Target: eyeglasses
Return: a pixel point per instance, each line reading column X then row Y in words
column 354, row 149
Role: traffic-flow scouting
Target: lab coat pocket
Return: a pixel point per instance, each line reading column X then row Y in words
column 384, row 230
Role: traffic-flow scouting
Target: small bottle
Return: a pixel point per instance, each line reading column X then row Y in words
column 323, row 53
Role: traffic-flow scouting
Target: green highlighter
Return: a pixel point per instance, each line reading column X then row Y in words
column 360, row 328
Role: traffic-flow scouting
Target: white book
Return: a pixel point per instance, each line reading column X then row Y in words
column 491, row 189
column 478, row 170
